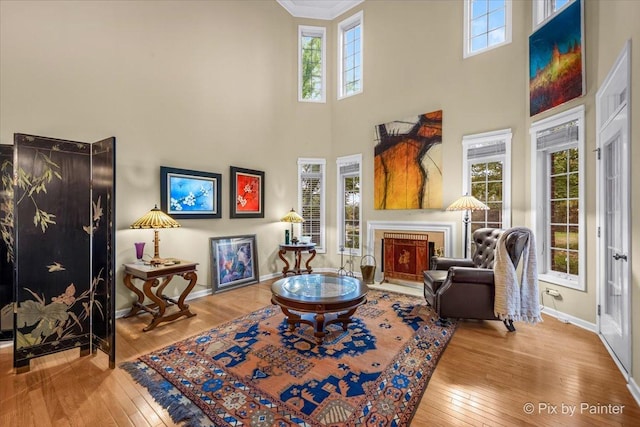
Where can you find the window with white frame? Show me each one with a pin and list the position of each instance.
(487, 25)
(350, 56)
(486, 167)
(311, 64)
(311, 200)
(558, 197)
(349, 203)
(544, 9)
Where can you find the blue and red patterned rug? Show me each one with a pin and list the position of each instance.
(253, 371)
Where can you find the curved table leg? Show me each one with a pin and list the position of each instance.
(285, 269)
(308, 263)
(192, 277)
(345, 318)
(298, 257)
(292, 318)
(158, 302)
(138, 305)
(159, 298)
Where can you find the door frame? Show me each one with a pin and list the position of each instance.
(623, 60)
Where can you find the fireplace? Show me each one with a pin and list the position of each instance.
(440, 234)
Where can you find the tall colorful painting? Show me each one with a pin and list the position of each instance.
(556, 60)
(408, 163)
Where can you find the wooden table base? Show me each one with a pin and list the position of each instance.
(319, 321)
(158, 307)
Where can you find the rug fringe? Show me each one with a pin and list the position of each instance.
(179, 412)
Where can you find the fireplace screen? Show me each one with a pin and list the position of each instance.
(406, 256)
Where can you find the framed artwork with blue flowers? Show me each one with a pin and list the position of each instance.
(188, 194)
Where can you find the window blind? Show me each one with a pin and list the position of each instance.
(487, 149)
(562, 134)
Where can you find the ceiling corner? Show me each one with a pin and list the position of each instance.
(318, 9)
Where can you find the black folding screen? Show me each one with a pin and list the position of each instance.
(64, 207)
(6, 244)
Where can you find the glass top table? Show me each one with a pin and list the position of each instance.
(319, 295)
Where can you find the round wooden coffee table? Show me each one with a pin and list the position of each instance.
(319, 300)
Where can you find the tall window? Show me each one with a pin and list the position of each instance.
(544, 9)
(311, 200)
(558, 189)
(487, 25)
(350, 56)
(487, 176)
(311, 64)
(349, 203)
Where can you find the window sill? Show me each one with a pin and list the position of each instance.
(556, 280)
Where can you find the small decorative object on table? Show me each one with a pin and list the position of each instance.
(139, 250)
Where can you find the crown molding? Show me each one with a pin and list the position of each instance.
(318, 9)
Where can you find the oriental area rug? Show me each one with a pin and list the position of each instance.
(253, 371)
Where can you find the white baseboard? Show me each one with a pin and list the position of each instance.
(192, 295)
(567, 318)
(592, 327)
(634, 389)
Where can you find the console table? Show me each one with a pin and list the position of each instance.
(297, 250)
(159, 277)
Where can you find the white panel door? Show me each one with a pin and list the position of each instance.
(612, 110)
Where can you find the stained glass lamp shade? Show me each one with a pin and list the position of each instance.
(156, 219)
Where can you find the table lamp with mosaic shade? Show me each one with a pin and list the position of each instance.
(467, 203)
(156, 219)
(293, 218)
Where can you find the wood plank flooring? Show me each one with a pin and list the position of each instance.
(485, 377)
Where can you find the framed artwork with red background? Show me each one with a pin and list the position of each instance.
(247, 193)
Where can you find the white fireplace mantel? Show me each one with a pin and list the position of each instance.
(447, 228)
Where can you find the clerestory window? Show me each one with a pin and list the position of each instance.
(311, 64)
(350, 32)
(487, 25)
(545, 9)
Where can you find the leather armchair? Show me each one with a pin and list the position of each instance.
(467, 290)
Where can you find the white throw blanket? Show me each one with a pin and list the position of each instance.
(516, 301)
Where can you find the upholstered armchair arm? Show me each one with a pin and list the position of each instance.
(471, 275)
(467, 293)
(444, 263)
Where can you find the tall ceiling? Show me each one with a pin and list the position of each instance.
(318, 9)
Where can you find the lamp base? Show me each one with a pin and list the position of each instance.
(157, 261)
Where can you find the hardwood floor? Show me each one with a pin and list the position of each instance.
(485, 377)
